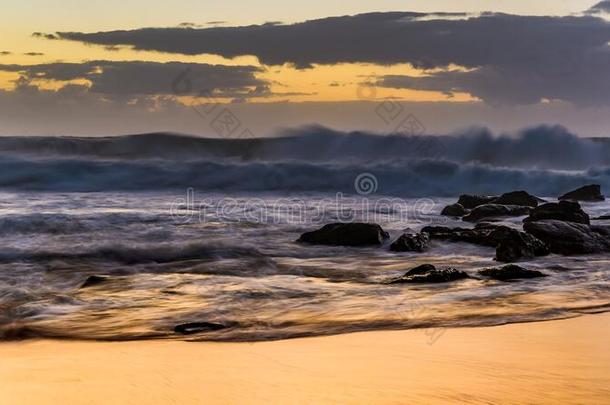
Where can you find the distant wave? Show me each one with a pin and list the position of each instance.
(550, 147)
(547, 160)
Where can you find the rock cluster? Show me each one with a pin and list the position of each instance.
(510, 272)
(561, 227)
(427, 273)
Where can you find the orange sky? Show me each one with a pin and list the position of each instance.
(322, 83)
(335, 95)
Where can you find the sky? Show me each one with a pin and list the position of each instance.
(118, 67)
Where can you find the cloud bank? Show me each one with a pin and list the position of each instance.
(146, 78)
(508, 58)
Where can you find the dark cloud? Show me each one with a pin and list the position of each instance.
(34, 54)
(384, 38)
(514, 59)
(148, 78)
(584, 84)
(45, 36)
(5, 53)
(51, 71)
(601, 7)
(359, 38)
(188, 25)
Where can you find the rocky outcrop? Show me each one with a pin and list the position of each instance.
(197, 327)
(511, 244)
(515, 245)
(562, 211)
(487, 211)
(92, 281)
(346, 234)
(469, 201)
(592, 192)
(411, 242)
(427, 273)
(421, 269)
(457, 234)
(482, 234)
(570, 238)
(454, 210)
(521, 198)
(510, 272)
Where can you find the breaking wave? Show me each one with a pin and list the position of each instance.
(545, 160)
(408, 178)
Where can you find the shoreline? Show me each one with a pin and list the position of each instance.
(558, 361)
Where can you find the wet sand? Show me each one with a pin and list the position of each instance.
(564, 361)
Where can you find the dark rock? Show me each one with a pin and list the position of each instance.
(421, 269)
(510, 272)
(453, 234)
(515, 245)
(492, 234)
(511, 244)
(562, 211)
(472, 201)
(592, 192)
(346, 234)
(454, 210)
(482, 234)
(427, 273)
(495, 210)
(93, 281)
(408, 242)
(570, 238)
(517, 198)
(197, 327)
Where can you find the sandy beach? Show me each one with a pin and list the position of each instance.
(565, 361)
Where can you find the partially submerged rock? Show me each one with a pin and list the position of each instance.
(456, 234)
(94, 280)
(562, 211)
(511, 244)
(427, 273)
(454, 210)
(510, 272)
(591, 192)
(521, 198)
(570, 238)
(410, 242)
(516, 245)
(346, 234)
(197, 327)
(482, 234)
(487, 211)
(421, 269)
(470, 201)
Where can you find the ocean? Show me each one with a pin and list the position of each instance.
(178, 229)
